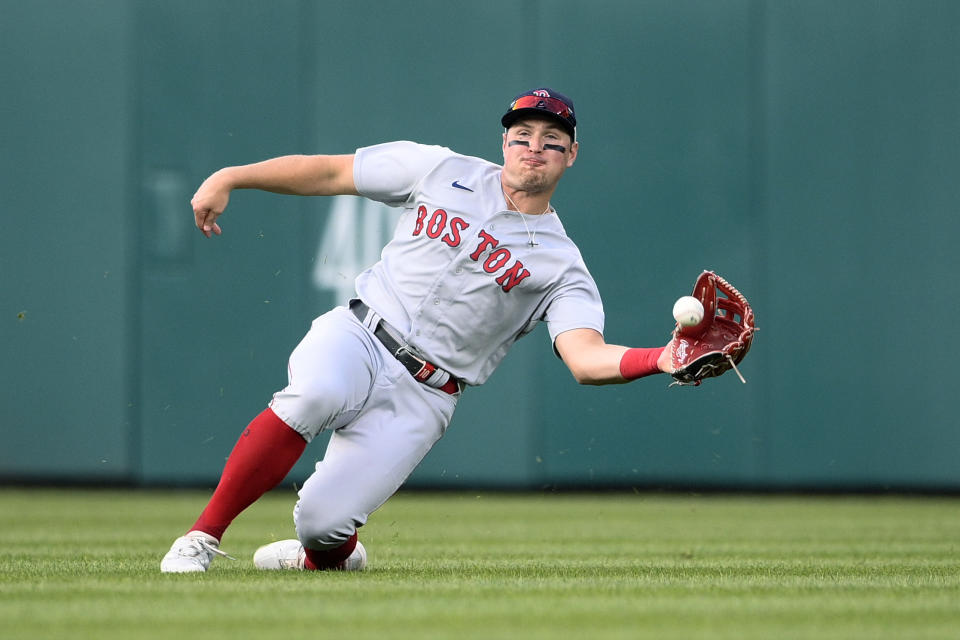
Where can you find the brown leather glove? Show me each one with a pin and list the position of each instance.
(720, 341)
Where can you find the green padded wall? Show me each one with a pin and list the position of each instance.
(807, 151)
(66, 154)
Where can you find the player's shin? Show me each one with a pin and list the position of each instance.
(261, 459)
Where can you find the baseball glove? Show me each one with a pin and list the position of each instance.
(720, 341)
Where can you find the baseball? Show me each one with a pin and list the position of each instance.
(688, 311)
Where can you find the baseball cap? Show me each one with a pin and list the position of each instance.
(542, 102)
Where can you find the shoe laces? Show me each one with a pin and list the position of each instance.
(202, 545)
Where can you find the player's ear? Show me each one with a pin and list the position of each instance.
(574, 147)
(503, 148)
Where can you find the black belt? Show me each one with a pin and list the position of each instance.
(422, 371)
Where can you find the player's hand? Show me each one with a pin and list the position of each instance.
(665, 361)
(209, 202)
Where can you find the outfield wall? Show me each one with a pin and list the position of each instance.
(807, 151)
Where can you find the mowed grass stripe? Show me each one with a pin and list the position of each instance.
(85, 564)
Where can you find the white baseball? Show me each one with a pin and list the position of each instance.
(688, 311)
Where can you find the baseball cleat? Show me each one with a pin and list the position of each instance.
(191, 553)
(357, 561)
(285, 554)
(289, 554)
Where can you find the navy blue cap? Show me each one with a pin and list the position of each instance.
(542, 102)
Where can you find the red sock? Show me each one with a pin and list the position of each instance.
(261, 459)
(318, 559)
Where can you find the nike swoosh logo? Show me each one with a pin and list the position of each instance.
(456, 184)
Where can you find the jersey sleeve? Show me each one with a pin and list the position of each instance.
(390, 172)
(576, 304)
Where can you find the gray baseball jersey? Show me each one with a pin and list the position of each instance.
(464, 277)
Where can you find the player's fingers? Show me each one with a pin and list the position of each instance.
(198, 220)
(210, 227)
(208, 204)
(207, 221)
(199, 213)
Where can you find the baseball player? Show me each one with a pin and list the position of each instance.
(479, 257)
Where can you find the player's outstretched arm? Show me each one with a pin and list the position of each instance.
(293, 175)
(592, 361)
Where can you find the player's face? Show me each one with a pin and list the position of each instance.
(536, 153)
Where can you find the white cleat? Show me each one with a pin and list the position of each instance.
(357, 561)
(286, 554)
(191, 553)
(289, 554)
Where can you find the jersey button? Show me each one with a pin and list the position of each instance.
(436, 301)
(458, 270)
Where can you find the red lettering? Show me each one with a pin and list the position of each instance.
(496, 260)
(437, 222)
(486, 240)
(513, 276)
(456, 226)
(498, 257)
(421, 216)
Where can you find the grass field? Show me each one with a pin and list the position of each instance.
(84, 564)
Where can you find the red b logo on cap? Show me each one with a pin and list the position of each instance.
(541, 93)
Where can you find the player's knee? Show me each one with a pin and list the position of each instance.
(323, 401)
(322, 526)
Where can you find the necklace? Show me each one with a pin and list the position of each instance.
(531, 237)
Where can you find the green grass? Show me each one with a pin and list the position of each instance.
(84, 564)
